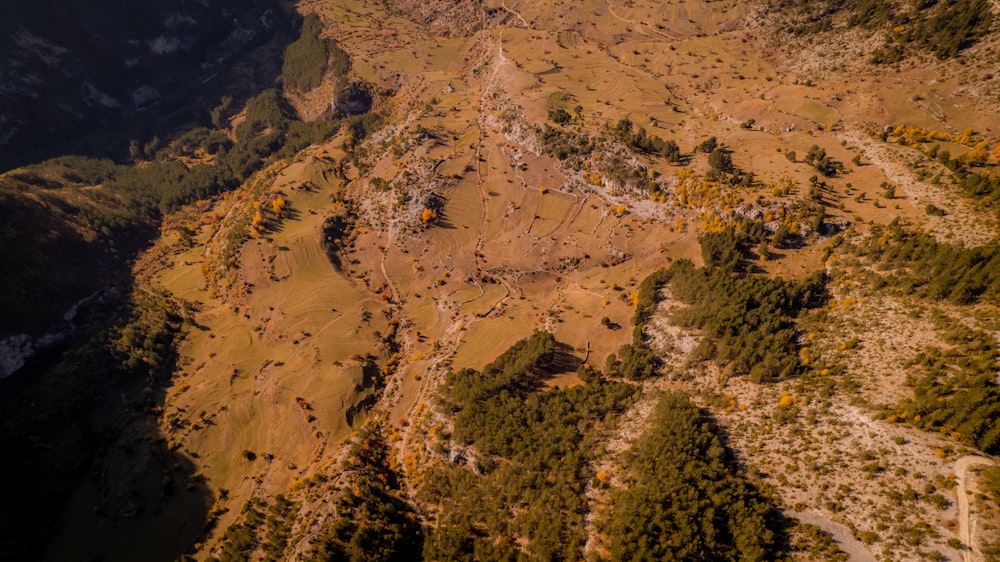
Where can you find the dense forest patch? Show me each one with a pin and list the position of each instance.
(532, 452)
(308, 57)
(943, 28)
(749, 319)
(685, 500)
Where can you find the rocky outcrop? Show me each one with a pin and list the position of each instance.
(355, 99)
(452, 17)
(15, 350)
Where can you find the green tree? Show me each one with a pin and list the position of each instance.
(306, 58)
(685, 499)
(560, 116)
(720, 161)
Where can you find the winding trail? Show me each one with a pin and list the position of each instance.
(393, 291)
(965, 530)
(653, 30)
(524, 22)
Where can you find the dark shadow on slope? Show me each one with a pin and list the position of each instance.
(105, 75)
(48, 265)
(561, 360)
(360, 408)
(90, 475)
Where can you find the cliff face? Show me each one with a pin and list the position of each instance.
(66, 66)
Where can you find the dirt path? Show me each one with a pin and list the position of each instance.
(652, 30)
(854, 548)
(503, 4)
(965, 530)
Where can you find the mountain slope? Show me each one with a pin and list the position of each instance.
(523, 261)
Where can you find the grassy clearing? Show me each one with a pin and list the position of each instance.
(483, 341)
(553, 210)
(291, 340)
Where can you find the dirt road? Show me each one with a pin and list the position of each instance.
(854, 548)
(965, 531)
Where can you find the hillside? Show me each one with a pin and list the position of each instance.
(509, 280)
(92, 76)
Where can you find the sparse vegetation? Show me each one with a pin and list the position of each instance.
(373, 519)
(915, 262)
(956, 392)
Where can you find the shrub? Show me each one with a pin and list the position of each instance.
(560, 116)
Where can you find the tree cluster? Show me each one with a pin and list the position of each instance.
(506, 373)
(707, 145)
(749, 319)
(532, 456)
(565, 144)
(685, 500)
(915, 263)
(639, 141)
(560, 116)
(261, 528)
(624, 173)
(720, 161)
(817, 158)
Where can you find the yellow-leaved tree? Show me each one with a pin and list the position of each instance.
(278, 205)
